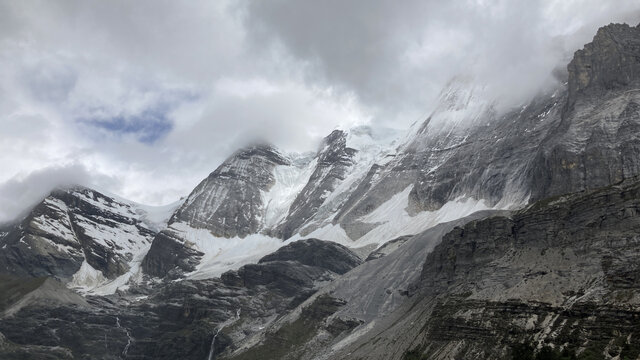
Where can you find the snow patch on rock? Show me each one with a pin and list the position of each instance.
(157, 217)
(289, 181)
(394, 220)
(86, 278)
(223, 254)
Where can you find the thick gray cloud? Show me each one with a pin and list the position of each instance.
(145, 98)
(397, 55)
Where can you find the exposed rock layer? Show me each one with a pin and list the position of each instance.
(563, 272)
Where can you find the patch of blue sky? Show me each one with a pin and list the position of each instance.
(147, 126)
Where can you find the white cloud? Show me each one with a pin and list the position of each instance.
(24, 191)
(397, 56)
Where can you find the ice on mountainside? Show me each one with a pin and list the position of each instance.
(157, 217)
(289, 180)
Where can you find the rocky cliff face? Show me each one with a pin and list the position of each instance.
(170, 255)
(609, 62)
(595, 143)
(561, 273)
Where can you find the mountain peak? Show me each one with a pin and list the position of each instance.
(336, 136)
(610, 61)
(228, 202)
(265, 150)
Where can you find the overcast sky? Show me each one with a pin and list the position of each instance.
(145, 98)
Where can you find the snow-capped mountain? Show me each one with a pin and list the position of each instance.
(260, 197)
(368, 186)
(381, 244)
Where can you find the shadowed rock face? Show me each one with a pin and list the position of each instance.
(69, 227)
(312, 258)
(11, 351)
(18, 293)
(314, 252)
(168, 257)
(387, 248)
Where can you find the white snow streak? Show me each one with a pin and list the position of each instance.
(223, 254)
(395, 221)
(290, 180)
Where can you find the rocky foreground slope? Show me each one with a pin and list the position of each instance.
(562, 273)
(190, 319)
(376, 246)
